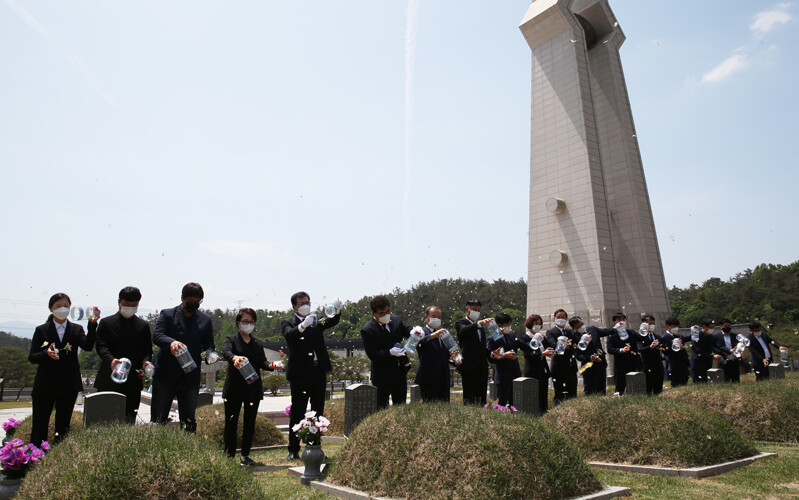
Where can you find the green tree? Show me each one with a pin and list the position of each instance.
(15, 369)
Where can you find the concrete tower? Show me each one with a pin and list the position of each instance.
(593, 248)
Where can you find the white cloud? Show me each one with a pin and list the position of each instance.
(766, 20)
(727, 68)
(259, 252)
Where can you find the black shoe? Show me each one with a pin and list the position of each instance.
(292, 456)
(247, 461)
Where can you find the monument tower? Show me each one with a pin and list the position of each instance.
(593, 248)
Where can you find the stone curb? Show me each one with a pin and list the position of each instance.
(693, 472)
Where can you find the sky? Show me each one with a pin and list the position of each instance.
(350, 148)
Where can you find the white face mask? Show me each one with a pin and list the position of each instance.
(248, 329)
(651, 328)
(507, 329)
(61, 313)
(304, 310)
(384, 319)
(434, 323)
(560, 322)
(674, 330)
(474, 315)
(581, 329)
(536, 328)
(127, 312)
(757, 333)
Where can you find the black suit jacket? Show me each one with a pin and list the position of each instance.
(505, 369)
(535, 364)
(59, 376)
(650, 356)
(704, 347)
(303, 346)
(120, 337)
(756, 350)
(623, 362)
(433, 359)
(720, 346)
(595, 346)
(236, 387)
(377, 344)
(562, 363)
(196, 333)
(473, 347)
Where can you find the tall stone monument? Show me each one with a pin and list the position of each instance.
(593, 248)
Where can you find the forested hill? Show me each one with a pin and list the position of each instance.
(7, 339)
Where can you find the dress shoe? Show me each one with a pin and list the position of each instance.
(292, 456)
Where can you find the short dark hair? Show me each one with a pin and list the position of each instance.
(646, 318)
(193, 290)
(379, 302)
(503, 318)
(574, 320)
(297, 296)
(708, 322)
(671, 320)
(130, 293)
(473, 302)
(618, 316)
(755, 324)
(725, 320)
(246, 310)
(55, 298)
(532, 320)
(560, 311)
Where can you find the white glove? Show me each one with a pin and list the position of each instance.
(397, 351)
(309, 321)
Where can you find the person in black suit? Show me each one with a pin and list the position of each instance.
(650, 346)
(473, 343)
(535, 363)
(594, 378)
(678, 359)
(124, 335)
(564, 366)
(383, 338)
(309, 362)
(55, 349)
(703, 352)
(622, 345)
(239, 347)
(759, 342)
(434, 359)
(176, 328)
(506, 366)
(725, 343)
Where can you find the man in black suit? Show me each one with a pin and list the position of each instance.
(309, 362)
(434, 359)
(678, 358)
(703, 352)
(184, 326)
(725, 343)
(474, 349)
(124, 335)
(594, 379)
(759, 342)
(383, 338)
(564, 365)
(622, 345)
(649, 347)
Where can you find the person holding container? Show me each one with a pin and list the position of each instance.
(55, 349)
(245, 356)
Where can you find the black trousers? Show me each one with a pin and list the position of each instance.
(186, 389)
(761, 372)
(543, 394)
(620, 371)
(653, 369)
(475, 386)
(594, 380)
(232, 412)
(42, 408)
(396, 387)
(310, 387)
(565, 385)
(732, 370)
(436, 389)
(505, 393)
(700, 367)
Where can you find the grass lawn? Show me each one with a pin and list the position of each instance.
(6, 405)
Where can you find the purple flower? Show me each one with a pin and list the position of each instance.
(287, 410)
(10, 424)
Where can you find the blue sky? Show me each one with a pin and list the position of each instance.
(349, 148)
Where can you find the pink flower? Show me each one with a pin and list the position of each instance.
(287, 410)
(10, 424)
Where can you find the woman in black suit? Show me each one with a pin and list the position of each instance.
(237, 392)
(55, 349)
(506, 366)
(535, 362)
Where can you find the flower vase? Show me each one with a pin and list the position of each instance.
(9, 436)
(312, 457)
(9, 486)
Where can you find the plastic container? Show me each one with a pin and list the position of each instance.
(121, 371)
(185, 360)
(248, 372)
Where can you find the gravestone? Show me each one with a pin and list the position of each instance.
(776, 370)
(492, 391)
(715, 375)
(636, 384)
(416, 393)
(103, 407)
(327, 394)
(525, 395)
(205, 398)
(360, 401)
(610, 380)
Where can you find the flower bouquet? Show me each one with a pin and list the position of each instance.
(310, 429)
(17, 458)
(10, 426)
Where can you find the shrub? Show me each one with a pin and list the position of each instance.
(644, 430)
(211, 424)
(145, 461)
(455, 451)
(766, 411)
(273, 383)
(23, 432)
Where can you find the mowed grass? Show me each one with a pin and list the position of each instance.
(8, 405)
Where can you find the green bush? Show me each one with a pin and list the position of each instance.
(644, 430)
(145, 461)
(274, 383)
(765, 411)
(23, 432)
(455, 451)
(211, 424)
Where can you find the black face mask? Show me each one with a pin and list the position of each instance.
(191, 306)
(726, 330)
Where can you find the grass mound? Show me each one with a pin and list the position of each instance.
(765, 411)
(211, 424)
(454, 451)
(23, 432)
(145, 461)
(644, 430)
